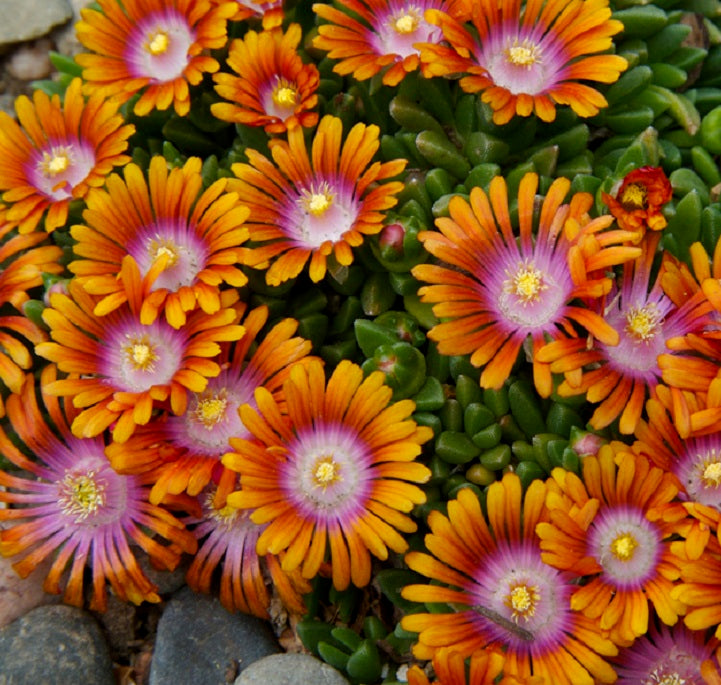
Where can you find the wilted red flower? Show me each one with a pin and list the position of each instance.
(637, 204)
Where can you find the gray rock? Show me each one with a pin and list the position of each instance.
(27, 19)
(198, 641)
(290, 669)
(54, 645)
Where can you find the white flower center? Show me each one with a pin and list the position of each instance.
(326, 471)
(407, 22)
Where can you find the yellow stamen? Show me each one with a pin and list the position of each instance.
(407, 23)
(527, 283)
(211, 410)
(643, 323)
(624, 546)
(326, 471)
(156, 248)
(712, 474)
(634, 196)
(284, 95)
(81, 495)
(141, 354)
(158, 43)
(522, 600)
(667, 679)
(524, 55)
(55, 162)
(319, 203)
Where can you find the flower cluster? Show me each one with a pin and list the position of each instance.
(398, 321)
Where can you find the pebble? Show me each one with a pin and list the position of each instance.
(24, 20)
(290, 669)
(20, 595)
(31, 62)
(198, 641)
(54, 645)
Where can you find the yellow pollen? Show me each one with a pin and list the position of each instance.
(318, 203)
(284, 96)
(624, 546)
(522, 600)
(634, 197)
(157, 248)
(524, 55)
(326, 472)
(642, 323)
(81, 495)
(712, 474)
(211, 410)
(406, 23)
(526, 284)
(55, 162)
(158, 43)
(141, 354)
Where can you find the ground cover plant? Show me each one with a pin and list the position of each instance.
(398, 320)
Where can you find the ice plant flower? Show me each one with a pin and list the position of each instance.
(166, 238)
(227, 538)
(381, 35)
(125, 367)
(56, 152)
(73, 506)
(528, 57)
(670, 656)
(24, 260)
(310, 208)
(337, 472)
(620, 377)
(154, 46)
(450, 669)
(696, 463)
(492, 292)
(506, 597)
(273, 88)
(194, 442)
(639, 200)
(609, 529)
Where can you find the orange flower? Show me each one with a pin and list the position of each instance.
(25, 262)
(273, 89)
(229, 536)
(121, 368)
(166, 239)
(492, 292)
(385, 38)
(60, 152)
(609, 529)
(639, 200)
(307, 210)
(527, 57)
(185, 450)
(336, 474)
(75, 509)
(155, 46)
(495, 592)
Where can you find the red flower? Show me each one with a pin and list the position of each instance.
(638, 202)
